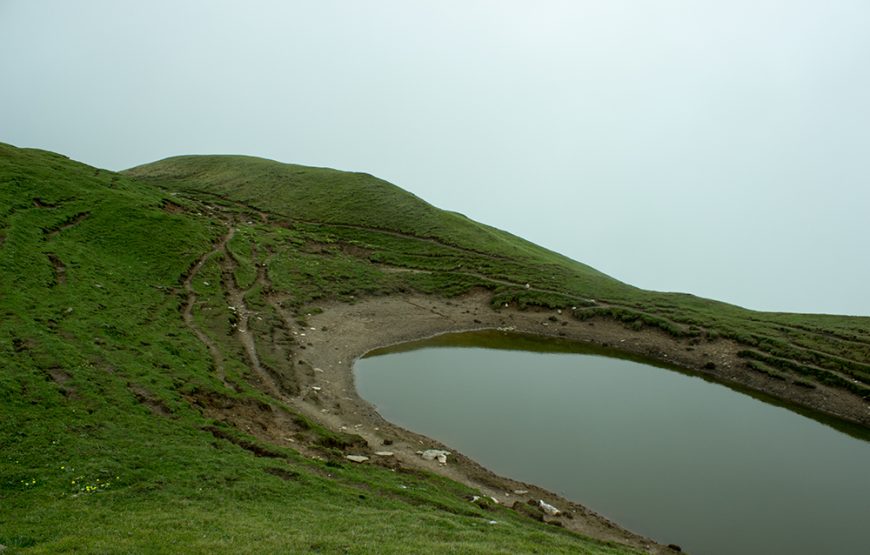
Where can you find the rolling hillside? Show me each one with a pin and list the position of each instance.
(132, 418)
(392, 227)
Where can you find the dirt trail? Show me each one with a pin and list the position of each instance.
(236, 297)
(482, 277)
(187, 312)
(70, 222)
(265, 216)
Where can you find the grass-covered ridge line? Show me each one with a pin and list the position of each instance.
(361, 219)
(126, 389)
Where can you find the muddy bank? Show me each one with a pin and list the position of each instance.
(333, 339)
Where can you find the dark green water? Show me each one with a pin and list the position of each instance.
(663, 453)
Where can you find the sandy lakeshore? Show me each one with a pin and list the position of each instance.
(333, 339)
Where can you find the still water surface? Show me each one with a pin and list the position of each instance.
(663, 453)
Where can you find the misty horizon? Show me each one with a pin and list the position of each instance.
(717, 150)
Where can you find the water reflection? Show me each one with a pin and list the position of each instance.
(664, 453)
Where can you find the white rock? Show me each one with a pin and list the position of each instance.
(549, 509)
(357, 458)
(435, 454)
(384, 453)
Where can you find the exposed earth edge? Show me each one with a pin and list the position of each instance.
(334, 338)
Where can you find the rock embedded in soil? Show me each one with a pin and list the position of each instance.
(433, 454)
(547, 508)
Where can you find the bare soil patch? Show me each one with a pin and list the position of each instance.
(59, 269)
(172, 208)
(154, 404)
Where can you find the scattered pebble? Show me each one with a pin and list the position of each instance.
(357, 458)
(384, 453)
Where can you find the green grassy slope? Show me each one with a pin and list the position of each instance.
(122, 430)
(118, 432)
(359, 206)
(450, 254)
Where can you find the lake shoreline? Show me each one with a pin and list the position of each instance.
(341, 333)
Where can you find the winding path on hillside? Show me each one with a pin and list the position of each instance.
(187, 312)
(236, 297)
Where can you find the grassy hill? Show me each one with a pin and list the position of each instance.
(451, 254)
(112, 397)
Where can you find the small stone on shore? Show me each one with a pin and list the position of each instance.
(549, 509)
(433, 454)
(357, 458)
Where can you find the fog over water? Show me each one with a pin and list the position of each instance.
(718, 148)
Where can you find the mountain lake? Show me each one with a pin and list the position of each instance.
(662, 452)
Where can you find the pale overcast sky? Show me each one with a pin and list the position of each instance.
(720, 148)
